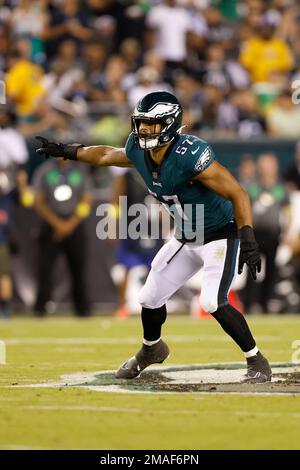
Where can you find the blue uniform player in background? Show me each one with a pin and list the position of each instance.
(213, 220)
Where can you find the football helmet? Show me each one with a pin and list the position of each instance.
(159, 107)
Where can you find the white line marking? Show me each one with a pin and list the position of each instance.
(21, 447)
(127, 340)
(117, 389)
(70, 349)
(267, 414)
(81, 408)
(72, 380)
(102, 409)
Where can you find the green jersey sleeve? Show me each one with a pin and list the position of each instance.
(199, 157)
(130, 148)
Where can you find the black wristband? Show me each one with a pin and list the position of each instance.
(70, 151)
(246, 234)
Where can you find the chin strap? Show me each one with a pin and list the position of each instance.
(179, 131)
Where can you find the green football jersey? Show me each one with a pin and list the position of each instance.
(195, 208)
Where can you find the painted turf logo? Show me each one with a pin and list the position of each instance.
(211, 378)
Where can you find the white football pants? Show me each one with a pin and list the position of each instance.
(175, 263)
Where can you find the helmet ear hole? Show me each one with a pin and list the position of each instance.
(169, 120)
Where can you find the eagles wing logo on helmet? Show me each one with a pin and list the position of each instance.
(161, 109)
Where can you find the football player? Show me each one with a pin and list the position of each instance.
(181, 169)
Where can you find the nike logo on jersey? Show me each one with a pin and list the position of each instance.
(195, 151)
(157, 184)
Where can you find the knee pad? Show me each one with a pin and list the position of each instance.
(208, 303)
(148, 300)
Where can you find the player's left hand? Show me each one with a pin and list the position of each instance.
(49, 148)
(249, 251)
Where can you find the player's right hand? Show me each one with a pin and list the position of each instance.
(49, 148)
(66, 151)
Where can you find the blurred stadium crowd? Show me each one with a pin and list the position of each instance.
(231, 63)
(73, 70)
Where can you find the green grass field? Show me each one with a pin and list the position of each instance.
(76, 418)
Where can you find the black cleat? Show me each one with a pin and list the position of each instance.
(258, 370)
(146, 356)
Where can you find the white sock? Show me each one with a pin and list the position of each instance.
(150, 343)
(252, 352)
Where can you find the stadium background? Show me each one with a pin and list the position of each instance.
(74, 70)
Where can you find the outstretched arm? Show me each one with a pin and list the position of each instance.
(103, 155)
(220, 180)
(100, 155)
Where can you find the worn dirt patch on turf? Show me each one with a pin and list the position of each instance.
(181, 381)
(211, 378)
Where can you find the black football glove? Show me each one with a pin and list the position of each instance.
(249, 251)
(66, 151)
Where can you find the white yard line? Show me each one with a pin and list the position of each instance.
(80, 408)
(74, 349)
(64, 341)
(112, 409)
(126, 340)
(118, 389)
(253, 414)
(178, 374)
(21, 447)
